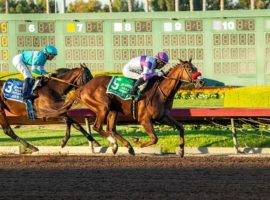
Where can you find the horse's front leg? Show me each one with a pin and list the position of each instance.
(169, 120)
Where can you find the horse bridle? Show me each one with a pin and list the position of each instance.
(189, 76)
(176, 79)
(62, 81)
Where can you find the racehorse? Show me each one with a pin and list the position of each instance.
(50, 99)
(155, 107)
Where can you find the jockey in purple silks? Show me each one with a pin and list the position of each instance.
(143, 68)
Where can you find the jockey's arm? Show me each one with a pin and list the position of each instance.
(149, 73)
(39, 70)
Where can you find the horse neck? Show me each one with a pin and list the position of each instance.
(171, 84)
(60, 87)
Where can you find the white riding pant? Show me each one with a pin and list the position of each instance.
(129, 73)
(21, 67)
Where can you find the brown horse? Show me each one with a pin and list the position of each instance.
(155, 107)
(50, 99)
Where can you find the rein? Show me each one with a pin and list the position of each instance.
(63, 81)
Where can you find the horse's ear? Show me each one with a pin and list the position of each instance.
(181, 61)
(83, 65)
(190, 59)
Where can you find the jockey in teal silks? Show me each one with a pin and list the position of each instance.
(35, 59)
(143, 68)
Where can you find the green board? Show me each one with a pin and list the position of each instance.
(232, 47)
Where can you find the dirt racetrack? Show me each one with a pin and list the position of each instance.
(139, 177)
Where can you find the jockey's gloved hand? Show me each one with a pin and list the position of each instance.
(160, 73)
(47, 76)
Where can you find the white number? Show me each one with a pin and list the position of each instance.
(79, 26)
(31, 28)
(127, 27)
(9, 87)
(117, 27)
(228, 25)
(167, 26)
(178, 26)
(116, 85)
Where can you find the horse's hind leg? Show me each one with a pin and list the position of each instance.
(169, 120)
(148, 126)
(69, 121)
(97, 126)
(111, 128)
(67, 135)
(8, 131)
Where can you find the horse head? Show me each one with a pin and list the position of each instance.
(86, 75)
(185, 71)
(76, 76)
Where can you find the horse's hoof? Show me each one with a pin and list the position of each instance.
(135, 139)
(131, 151)
(63, 144)
(95, 144)
(114, 148)
(181, 153)
(34, 149)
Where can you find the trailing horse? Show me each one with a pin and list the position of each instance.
(154, 107)
(50, 99)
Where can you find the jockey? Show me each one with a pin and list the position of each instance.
(143, 68)
(35, 59)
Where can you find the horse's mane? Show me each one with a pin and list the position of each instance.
(173, 67)
(60, 71)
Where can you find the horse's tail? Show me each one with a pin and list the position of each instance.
(70, 101)
(63, 110)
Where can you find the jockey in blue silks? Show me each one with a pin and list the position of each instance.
(143, 68)
(35, 59)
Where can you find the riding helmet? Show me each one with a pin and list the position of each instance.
(51, 50)
(162, 56)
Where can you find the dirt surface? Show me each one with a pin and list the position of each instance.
(139, 177)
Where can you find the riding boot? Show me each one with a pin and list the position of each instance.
(134, 90)
(27, 88)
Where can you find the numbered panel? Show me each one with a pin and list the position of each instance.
(184, 39)
(4, 46)
(84, 42)
(131, 39)
(234, 46)
(36, 35)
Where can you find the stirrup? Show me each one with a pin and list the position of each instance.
(30, 97)
(135, 97)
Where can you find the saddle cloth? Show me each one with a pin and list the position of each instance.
(12, 90)
(121, 87)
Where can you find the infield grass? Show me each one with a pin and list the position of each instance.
(51, 135)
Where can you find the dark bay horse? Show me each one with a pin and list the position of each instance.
(50, 99)
(155, 107)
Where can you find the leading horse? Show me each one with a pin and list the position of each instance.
(155, 107)
(50, 99)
